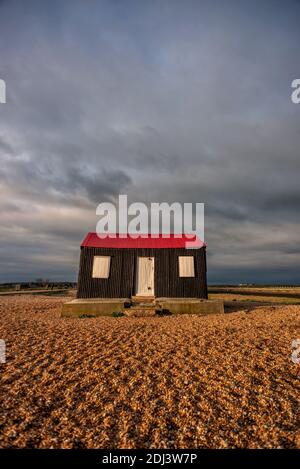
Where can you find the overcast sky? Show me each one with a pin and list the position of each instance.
(184, 101)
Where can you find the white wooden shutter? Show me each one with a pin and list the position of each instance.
(101, 267)
(186, 266)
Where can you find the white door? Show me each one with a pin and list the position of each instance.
(145, 276)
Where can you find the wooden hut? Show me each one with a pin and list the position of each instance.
(142, 266)
(141, 274)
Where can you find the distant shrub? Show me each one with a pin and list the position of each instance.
(87, 316)
(163, 312)
(117, 314)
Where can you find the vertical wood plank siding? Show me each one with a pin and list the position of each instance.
(121, 281)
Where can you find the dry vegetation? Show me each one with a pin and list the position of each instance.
(164, 382)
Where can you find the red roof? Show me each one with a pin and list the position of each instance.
(92, 240)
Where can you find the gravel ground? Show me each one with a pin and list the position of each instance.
(164, 382)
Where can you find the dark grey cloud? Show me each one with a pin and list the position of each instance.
(165, 101)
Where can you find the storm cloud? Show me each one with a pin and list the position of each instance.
(164, 101)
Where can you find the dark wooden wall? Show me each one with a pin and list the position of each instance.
(121, 281)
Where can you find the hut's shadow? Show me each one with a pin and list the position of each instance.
(248, 306)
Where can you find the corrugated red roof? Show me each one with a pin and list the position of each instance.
(141, 241)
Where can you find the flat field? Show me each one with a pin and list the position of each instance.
(220, 381)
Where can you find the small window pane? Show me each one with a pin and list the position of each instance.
(186, 266)
(101, 267)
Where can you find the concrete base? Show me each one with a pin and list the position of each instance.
(93, 307)
(108, 306)
(191, 305)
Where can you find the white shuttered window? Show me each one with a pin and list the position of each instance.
(186, 266)
(101, 267)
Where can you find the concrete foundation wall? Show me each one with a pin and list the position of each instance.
(191, 306)
(106, 307)
(93, 307)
